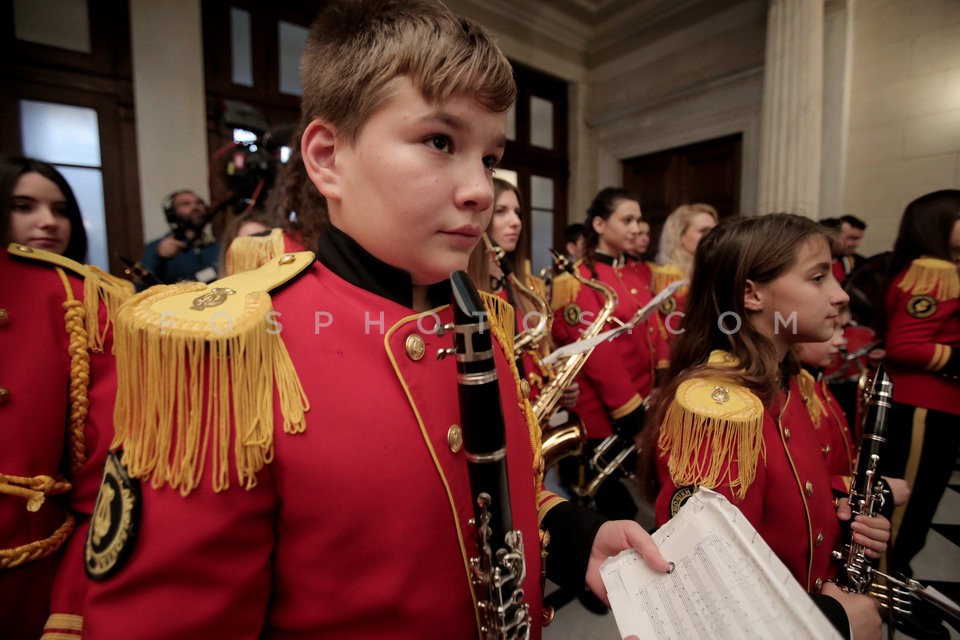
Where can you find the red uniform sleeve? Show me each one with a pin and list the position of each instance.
(916, 326)
(200, 568)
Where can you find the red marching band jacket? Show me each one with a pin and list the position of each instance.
(923, 330)
(619, 373)
(769, 463)
(57, 389)
(336, 505)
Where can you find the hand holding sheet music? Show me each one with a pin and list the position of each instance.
(726, 584)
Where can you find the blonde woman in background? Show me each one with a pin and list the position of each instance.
(681, 234)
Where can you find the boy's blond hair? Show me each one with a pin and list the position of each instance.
(357, 47)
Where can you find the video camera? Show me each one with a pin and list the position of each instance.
(253, 163)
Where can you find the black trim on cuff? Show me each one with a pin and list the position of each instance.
(572, 530)
(832, 608)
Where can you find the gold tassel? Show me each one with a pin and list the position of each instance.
(184, 384)
(99, 286)
(566, 288)
(933, 277)
(729, 426)
(251, 252)
(808, 389)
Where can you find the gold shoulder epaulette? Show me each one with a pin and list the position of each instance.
(98, 286)
(933, 277)
(808, 389)
(250, 252)
(194, 360)
(565, 290)
(721, 418)
(663, 276)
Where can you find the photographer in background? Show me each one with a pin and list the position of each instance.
(187, 252)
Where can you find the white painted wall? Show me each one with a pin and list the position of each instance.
(904, 135)
(168, 90)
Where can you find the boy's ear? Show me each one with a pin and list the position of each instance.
(752, 297)
(318, 148)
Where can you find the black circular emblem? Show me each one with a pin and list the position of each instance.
(116, 518)
(679, 497)
(572, 314)
(921, 306)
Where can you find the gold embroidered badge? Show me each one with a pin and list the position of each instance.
(680, 496)
(668, 306)
(213, 298)
(116, 517)
(572, 314)
(921, 306)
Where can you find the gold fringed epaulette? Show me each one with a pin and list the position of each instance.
(719, 419)
(98, 286)
(250, 252)
(932, 277)
(565, 290)
(808, 389)
(663, 276)
(196, 367)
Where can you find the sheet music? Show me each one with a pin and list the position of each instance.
(642, 314)
(726, 584)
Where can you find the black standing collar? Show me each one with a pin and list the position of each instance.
(345, 257)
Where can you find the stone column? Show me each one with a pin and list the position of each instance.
(791, 123)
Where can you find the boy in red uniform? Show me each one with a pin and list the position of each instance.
(325, 401)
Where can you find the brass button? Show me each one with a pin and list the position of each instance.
(288, 258)
(786, 434)
(525, 388)
(4, 317)
(826, 451)
(633, 291)
(415, 347)
(455, 438)
(22, 248)
(820, 538)
(808, 488)
(4, 395)
(818, 583)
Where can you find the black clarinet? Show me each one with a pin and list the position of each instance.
(867, 486)
(897, 596)
(499, 567)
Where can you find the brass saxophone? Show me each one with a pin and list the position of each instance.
(530, 338)
(896, 596)
(569, 437)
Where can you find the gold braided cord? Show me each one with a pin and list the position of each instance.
(811, 399)
(17, 556)
(75, 320)
(33, 489)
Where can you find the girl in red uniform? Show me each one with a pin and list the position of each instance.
(732, 417)
(487, 272)
(619, 374)
(57, 389)
(923, 360)
(681, 234)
